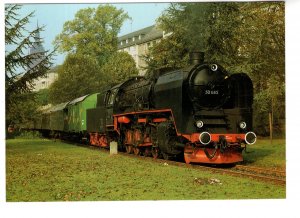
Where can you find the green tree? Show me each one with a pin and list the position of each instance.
(24, 110)
(21, 68)
(208, 27)
(93, 32)
(43, 97)
(92, 63)
(79, 75)
(264, 55)
(119, 67)
(170, 53)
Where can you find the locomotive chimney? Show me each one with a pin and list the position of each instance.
(196, 57)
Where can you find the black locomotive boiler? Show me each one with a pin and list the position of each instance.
(200, 112)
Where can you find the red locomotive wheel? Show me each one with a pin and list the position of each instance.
(155, 153)
(136, 150)
(129, 149)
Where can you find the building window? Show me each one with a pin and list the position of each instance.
(121, 43)
(126, 41)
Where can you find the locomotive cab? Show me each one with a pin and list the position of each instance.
(110, 100)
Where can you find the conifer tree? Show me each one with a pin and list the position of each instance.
(21, 68)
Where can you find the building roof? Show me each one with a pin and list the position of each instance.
(37, 46)
(147, 34)
(136, 33)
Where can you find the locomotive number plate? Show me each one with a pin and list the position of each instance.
(211, 92)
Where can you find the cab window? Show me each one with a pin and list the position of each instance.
(110, 97)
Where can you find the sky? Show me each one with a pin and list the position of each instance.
(53, 16)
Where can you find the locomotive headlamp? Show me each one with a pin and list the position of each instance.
(214, 67)
(250, 138)
(199, 124)
(243, 125)
(205, 138)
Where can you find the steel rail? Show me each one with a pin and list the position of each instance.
(261, 170)
(232, 171)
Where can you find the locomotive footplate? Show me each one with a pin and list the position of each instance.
(200, 155)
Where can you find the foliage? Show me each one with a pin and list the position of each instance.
(93, 32)
(264, 52)
(170, 53)
(92, 63)
(119, 67)
(44, 170)
(196, 27)
(24, 109)
(21, 68)
(24, 134)
(43, 97)
(241, 36)
(79, 75)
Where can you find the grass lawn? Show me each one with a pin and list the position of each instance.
(265, 154)
(44, 170)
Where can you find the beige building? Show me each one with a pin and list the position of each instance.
(137, 44)
(45, 81)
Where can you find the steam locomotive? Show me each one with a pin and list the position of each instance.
(200, 113)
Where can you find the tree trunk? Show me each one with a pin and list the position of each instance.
(271, 127)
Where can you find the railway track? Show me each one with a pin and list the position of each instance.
(261, 170)
(262, 174)
(259, 173)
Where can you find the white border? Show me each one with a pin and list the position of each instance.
(215, 208)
